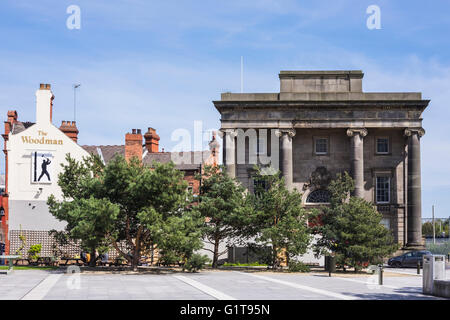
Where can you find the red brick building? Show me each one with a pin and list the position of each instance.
(146, 148)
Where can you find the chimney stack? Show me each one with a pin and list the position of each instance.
(70, 129)
(44, 104)
(133, 144)
(152, 140)
(12, 118)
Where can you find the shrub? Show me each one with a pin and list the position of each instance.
(33, 252)
(169, 258)
(298, 266)
(196, 262)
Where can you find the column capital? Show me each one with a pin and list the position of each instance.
(230, 132)
(291, 132)
(354, 131)
(411, 131)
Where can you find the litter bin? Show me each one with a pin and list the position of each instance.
(433, 269)
(330, 263)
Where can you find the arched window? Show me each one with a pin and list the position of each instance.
(319, 196)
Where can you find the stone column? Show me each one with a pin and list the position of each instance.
(286, 136)
(357, 158)
(229, 151)
(414, 238)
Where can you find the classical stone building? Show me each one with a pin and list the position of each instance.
(322, 123)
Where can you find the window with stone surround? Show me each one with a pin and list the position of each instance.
(382, 145)
(319, 196)
(320, 145)
(383, 189)
(260, 185)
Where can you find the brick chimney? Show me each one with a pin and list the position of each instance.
(70, 129)
(12, 118)
(152, 140)
(133, 144)
(44, 104)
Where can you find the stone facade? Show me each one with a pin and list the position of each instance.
(322, 123)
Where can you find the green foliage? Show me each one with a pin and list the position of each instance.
(223, 206)
(439, 248)
(298, 266)
(351, 228)
(90, 220)
(23, 243)
(178, 236)
(279, 219)
(196, 262)
(34, 251)
(168, 258)
(440, 228)
(126, 201)
(253, 264)
(61, 239)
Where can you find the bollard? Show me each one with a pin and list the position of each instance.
(380, 274)
(418, 267)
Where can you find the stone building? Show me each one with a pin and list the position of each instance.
(322, 123)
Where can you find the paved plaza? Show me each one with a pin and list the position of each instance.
(398, 284)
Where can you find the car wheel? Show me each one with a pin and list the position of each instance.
(396, 264)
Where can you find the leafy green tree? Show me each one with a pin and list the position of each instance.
(279, 220)
(178, 237)
(89, 220)
(223, 206)
(351, 228)
(140, 201)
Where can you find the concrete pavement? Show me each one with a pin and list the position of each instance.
(207, 285)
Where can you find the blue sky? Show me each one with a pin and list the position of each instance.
(161, 63)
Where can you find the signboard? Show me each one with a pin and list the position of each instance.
(41, 167)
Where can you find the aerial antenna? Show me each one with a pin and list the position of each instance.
(75, 87)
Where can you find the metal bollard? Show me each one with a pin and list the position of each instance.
(418, 267)
(380, 274)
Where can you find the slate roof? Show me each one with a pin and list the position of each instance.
(19, 126)
(192, 161)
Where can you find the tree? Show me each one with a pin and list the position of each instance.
(279, 220)
(139, 200)
(89, 220)
(351, 228)
(223, 206)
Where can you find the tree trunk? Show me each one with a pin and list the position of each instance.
(93, 258)
(135, 260)
(216, 253)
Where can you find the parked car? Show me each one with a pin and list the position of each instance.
(409, 259)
